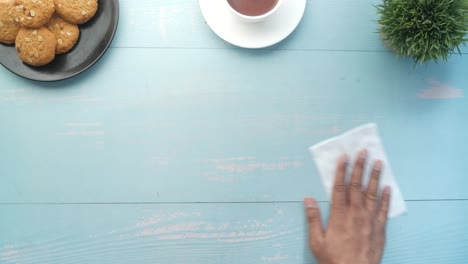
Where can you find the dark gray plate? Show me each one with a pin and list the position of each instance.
(96, 37)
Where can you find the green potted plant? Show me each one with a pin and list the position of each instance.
(425, 30)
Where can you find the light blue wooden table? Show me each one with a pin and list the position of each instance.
(179, 148)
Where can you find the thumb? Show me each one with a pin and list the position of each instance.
(314, 223)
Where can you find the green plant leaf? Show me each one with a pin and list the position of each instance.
(424, 29)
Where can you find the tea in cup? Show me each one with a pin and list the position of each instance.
(253, 10)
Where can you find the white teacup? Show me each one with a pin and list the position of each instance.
(258, 18)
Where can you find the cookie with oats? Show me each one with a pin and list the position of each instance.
(32, 13)
(36, 47)
(66, 34)
(76, 11)
(8, 27)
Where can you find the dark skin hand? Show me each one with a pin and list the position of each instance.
(355, 233)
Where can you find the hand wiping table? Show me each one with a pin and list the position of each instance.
(366, 137)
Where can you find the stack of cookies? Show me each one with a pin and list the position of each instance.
(40, 29)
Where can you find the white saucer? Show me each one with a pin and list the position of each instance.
(253, 35)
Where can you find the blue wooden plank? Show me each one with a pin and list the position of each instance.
(327, 25)
(433, 232)
(226, 125)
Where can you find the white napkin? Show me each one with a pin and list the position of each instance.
(327, 153)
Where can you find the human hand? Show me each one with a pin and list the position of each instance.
(356, 228)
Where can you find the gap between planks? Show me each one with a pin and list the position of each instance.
(244, 202)
(266, 49)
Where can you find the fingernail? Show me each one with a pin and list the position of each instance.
(387, 190)
(363, 154)
(310, 202)
(345, 159)
(378, 166)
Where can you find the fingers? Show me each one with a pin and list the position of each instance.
(314, 223)
(356, 197)
(339, 196)
(382, 213)
(373, 186)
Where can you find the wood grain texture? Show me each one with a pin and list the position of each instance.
(327, 25)
(150, 125)
(174, 114)
(433, 232)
